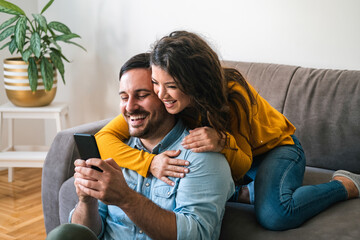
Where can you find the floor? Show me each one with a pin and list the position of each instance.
(21, 215)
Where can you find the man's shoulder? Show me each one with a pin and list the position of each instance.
(204, 156)
(189, 155)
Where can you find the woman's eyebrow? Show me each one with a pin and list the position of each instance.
(168, 82)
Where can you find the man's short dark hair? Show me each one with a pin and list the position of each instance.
(141, 60)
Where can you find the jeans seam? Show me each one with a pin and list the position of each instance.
(307, 203)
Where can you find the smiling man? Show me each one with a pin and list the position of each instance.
(143, 118)
(119, 203)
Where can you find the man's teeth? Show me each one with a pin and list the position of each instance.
(134, 118)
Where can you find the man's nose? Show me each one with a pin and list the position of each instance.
(131, 104)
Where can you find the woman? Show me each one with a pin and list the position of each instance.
(229, 116)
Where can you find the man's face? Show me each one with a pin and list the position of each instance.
(142, 109)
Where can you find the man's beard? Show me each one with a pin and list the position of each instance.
(134, 131)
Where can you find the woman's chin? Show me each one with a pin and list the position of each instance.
(172, 110)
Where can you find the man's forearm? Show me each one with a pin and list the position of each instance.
(156, 222)
(87, 214)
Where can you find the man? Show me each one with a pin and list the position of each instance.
(131, 206)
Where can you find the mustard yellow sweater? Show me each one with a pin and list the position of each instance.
(268, 128)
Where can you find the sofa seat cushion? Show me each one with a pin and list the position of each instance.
(67, 199)
(340, 221)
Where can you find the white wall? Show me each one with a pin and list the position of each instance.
(320, 34)
(25, 130)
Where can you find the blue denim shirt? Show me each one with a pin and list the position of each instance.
(198, 200)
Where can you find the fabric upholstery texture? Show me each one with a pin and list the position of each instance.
(324, 106)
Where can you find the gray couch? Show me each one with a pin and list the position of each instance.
(323, 104)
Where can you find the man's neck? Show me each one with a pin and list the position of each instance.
(150, 142)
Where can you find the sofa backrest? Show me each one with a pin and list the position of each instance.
(323, 104)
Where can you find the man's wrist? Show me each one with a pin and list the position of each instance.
(130, 201)
(87, 200)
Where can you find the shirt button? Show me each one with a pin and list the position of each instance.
(147, 184)
(168, 193)
(140, 231)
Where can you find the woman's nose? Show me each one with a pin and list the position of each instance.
(161, 92)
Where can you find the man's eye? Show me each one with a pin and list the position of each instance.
(143, 96)
(124, 98)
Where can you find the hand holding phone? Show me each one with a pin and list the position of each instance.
(87, 147)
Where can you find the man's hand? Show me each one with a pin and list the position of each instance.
(111, 188)
(108, 186)
(165, 165)
(204, 139)
(83, 197)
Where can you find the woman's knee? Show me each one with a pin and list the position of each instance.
(276, 219)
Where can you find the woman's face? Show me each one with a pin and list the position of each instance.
(165, 87)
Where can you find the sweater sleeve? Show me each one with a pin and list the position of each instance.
(110, 140)
(238, 160)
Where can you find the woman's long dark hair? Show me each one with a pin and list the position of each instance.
(198, 73)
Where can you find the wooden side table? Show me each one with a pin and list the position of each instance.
(30, 155)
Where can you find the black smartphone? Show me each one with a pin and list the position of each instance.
(87, 147)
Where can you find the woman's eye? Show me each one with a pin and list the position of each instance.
(172, 86)
(153, 82)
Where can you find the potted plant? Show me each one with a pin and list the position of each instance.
(37, 41)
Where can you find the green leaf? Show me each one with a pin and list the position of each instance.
(33, 74)
(60, 27)
(35, 44)
(66, 37)
(55, 43)
(12, 46)
(41, 20)
(58, 63)
(10, 8)
(59, 53)
(77, 45)
(7, 32)
(8, 22)
(47, 6)
(47, 73)
(20, 31)
(26, 54)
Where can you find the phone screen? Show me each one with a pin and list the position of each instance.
(87, 147)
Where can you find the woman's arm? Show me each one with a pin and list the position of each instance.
(206, 139)
(238, 160)
(110, 140)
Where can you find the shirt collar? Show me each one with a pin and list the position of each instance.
(168, 140)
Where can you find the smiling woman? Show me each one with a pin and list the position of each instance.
(168, 92)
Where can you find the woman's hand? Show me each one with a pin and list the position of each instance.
(204, 139)
(165, 165)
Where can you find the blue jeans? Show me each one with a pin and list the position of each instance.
(281, 202)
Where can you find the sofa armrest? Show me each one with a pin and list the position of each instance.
(58, 167)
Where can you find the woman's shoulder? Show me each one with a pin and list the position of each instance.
(236, 86)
